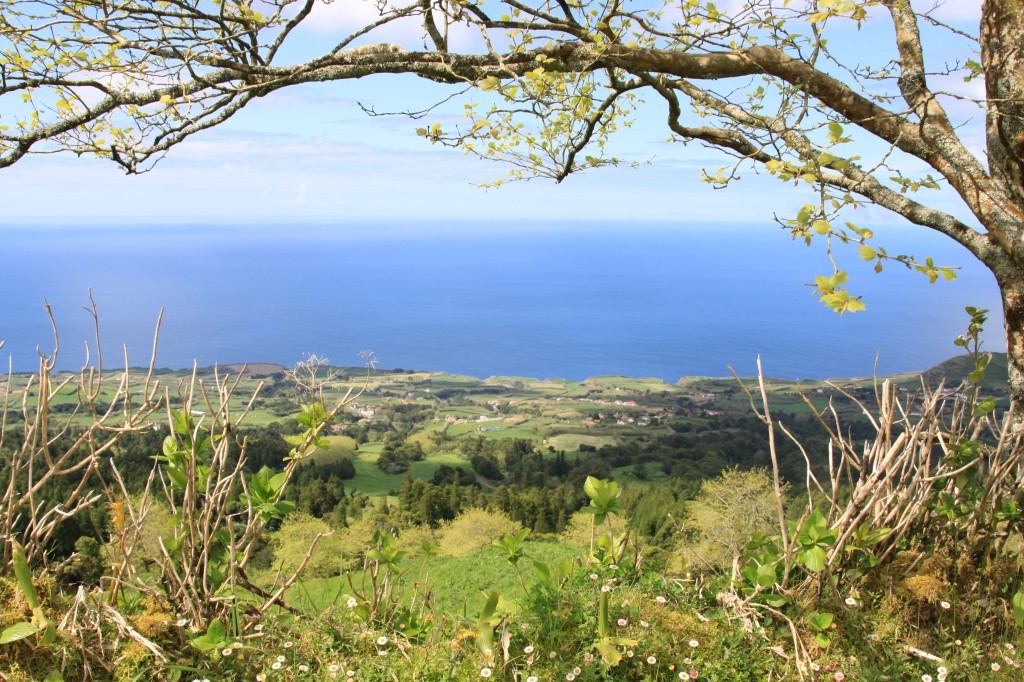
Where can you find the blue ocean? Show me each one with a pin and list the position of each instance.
(484, 298)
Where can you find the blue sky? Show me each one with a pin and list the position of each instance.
(310, 153)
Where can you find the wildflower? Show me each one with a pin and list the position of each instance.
(1010, 646)
(280, 659)
(258, 627)
(660, 599)
(606, 588)
(485, 672)
(529, 660)
(839, 676)
(945, 604)
(629, 653)
(942, 670)
(531, 678)
(850, 601)
(381, 652)
(287, 645)
(593, 576)
(651, 660)
(236, 645)
(570, 676)
(644, 624)
(276, 665)
(687, 661)
(182, 622)
(226, 651)
(926, 678)
(576, 670)
(261, 677)
(334, 667)
(303, 668)
(350, 674)
(553, 655)
(694, 644)
(382, 640)
(621, 622)
(996, 667)
(351, 602)
(528, 650)
(613, 567)
(815, 667)
(958, 642)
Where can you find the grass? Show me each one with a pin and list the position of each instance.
(458, 585)
(571, 442)
(370, 480)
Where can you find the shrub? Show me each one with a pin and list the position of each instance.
(474, 529)
(728, 511)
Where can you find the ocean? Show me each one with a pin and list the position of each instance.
(486, 298)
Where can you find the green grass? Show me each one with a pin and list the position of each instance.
(571, 442)
(370, 480)
(458, 584)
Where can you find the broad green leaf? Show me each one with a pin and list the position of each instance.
(17, 631)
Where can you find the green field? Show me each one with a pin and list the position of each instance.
(571, 442)
(458, 584)
(370, 480)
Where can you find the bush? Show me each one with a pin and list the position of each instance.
(474, 529)
(292, 542)
(728, 511)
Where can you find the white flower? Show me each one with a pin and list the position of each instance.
(850, 601)
(660, 599)
(926, 678)
(694, 643)
(996, 667)
(485, 672)
(287, 645)
(606, 588)
(382, 640)
(276, 665)
(593, 576)
(226, 651)
(280, 659)
(942, 670)
(622, 622)
(576, 670)
(528, 649)
(303, 667)
(182, 622)
(651, 660)
(236, 645)
(945, 604)
(570, 677)
(351, 602)
(531, 678)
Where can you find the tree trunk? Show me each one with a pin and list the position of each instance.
(1012, 292)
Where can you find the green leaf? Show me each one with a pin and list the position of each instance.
(813, 559)
(17, 631)
(867, 253)
(985, 407)
(1017, 605)
(819, 621)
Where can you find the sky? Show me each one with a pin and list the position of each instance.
(310, 153)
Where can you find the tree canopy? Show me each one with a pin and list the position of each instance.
(865, 101)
